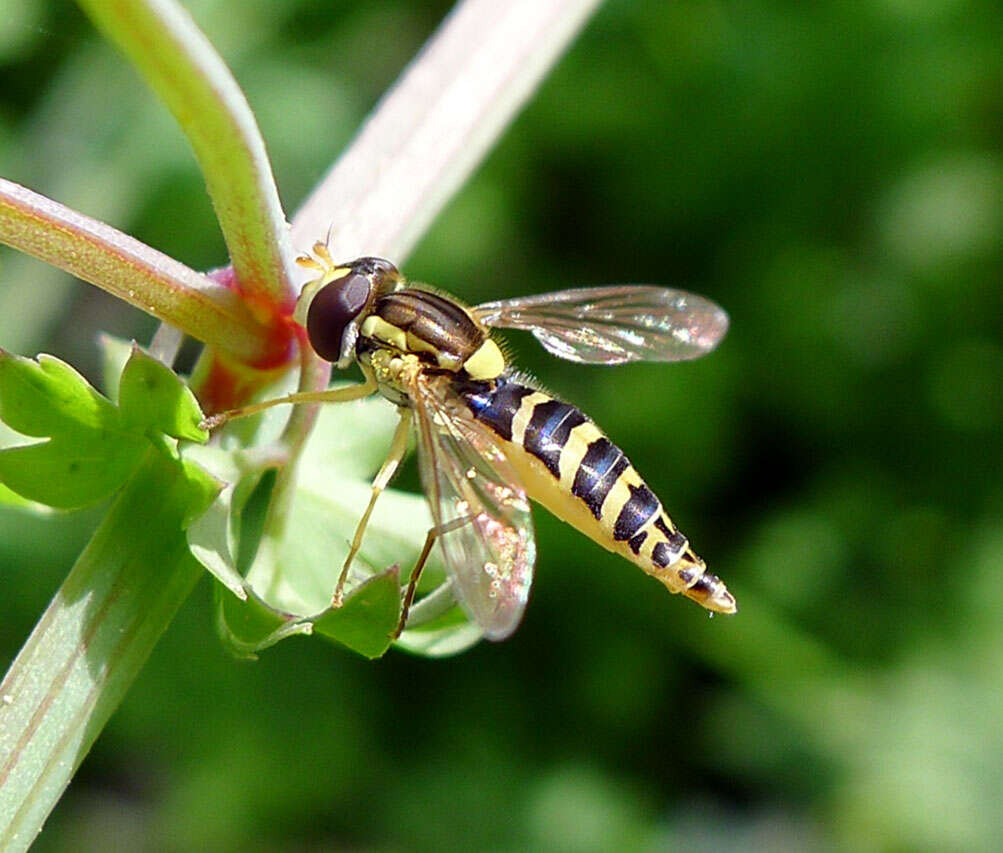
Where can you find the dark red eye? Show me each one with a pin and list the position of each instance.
(332, 310)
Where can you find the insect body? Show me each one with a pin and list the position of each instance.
(487, 438)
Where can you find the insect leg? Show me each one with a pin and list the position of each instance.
(331, 395)
(419, 565)
(398, 447)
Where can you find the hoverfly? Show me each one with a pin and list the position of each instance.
(487, 438)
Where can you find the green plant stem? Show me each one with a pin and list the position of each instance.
(315, 374)
(130, 270)
(182, 67)
(90, 644)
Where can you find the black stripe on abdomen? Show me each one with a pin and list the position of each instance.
(638, 510)
(599, 470)
(668, 551)
(494, 403)
(548, 431)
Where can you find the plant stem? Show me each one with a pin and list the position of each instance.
(183, 68)
(91, 643)
(130, 270)
(436, 124)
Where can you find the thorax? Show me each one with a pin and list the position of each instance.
(412, 331)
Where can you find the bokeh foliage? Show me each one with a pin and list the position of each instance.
(829, 172)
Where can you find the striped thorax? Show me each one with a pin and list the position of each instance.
(413, 329)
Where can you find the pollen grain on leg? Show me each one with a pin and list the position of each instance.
(213, 421)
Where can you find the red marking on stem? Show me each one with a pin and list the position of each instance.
(218, 392)
(282, 334)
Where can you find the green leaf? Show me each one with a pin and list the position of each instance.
(247, 625)
(69, 475)
(297, 567)
(216, 536)
(250, 509)
(364, 623)
(8, 498)
(151, 396)
(88, 455)
(115, 353)
(213, 544)
(368, 617)
(13, 499)
(47, 396)
(92, 446)
(350, 440)
(204, 488)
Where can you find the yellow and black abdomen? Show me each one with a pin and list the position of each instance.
(571, 468)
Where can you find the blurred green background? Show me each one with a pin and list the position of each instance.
(831, 174)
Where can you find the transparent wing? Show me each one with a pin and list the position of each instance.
(614, 325)
(479, 507)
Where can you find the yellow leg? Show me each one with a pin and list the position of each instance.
(331, 395)
(419, 565)
(398, 447)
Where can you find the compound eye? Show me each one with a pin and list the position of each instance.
(332, 311)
